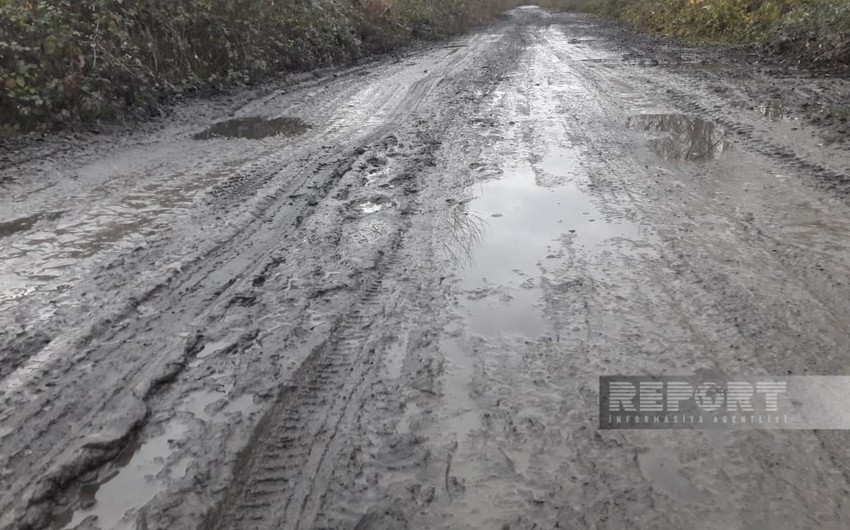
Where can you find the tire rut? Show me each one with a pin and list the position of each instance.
(211, 283)
(746, 137)
(285, 468)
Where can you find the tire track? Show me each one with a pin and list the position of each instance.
(288, 253)
(745, 135)
(285, 469)
(210, 283)
(692, 99)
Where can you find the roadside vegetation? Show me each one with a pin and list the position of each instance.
(64, 61)
(810, 31)
(70, 61)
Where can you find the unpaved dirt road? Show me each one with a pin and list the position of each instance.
(394, 313)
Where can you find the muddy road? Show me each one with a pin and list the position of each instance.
(381, 297)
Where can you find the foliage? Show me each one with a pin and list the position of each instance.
(813, 30)
(78, 60)
(817, 31)
(67, 61)
(721, 21)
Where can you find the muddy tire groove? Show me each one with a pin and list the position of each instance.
(745, 134)
(283, 469)
(195, 281)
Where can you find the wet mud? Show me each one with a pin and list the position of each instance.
(19, 225)
(394, 313)
(254, 128)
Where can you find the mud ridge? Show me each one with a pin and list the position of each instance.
(290, 446)
(827, 178)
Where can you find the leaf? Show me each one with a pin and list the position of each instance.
(50, 45)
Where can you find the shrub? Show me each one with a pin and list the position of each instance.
(718, 21)
(79, 60)
(812, 30)
(817, 31)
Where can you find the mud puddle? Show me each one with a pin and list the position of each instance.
(136, 479)
(25, 223)
(144, 469)
(682, 137)
(535, 219)
(254, 128)
(519, 226)
(221, 347)
(372, 205)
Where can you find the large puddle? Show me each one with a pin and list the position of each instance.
(682, 137)
(534, 225)
(140, 472)
(516, 228)
(254, 128)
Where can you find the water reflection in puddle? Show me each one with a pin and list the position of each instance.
(254, 128)
(686, 137)
(139, 470)
(137, 480)
(513, 230)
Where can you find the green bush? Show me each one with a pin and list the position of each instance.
(64, 60)
(813, 30)
(79, 60)
(818, 31)
(718, 21)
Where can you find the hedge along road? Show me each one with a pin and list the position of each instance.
(382, 297)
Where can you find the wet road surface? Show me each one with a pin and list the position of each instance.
(381, 298)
